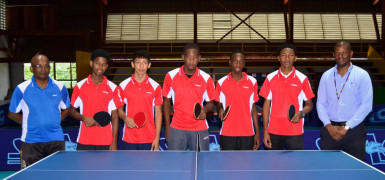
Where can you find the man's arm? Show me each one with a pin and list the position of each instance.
(16, 117)
(128, 121)
(207, 108)
(220, 110)
(64, 113)
(167, 113)
(115, 130)
(254, 115)
(89, 121)
(308, 107)
(322, 109)
(158, 127)
(265, 115)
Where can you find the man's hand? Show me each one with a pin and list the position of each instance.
(256, 142)
(89, 121)
(297, 117)
(202, 115)
(130, 123)
(220, 113)
(155, 145)
(334, 132)
(113, 147)
(266, 139)
(342, 131)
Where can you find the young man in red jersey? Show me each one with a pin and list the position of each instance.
(140, 93)
(240, 130)
(186, 86)
(92, 95)
(282, 88)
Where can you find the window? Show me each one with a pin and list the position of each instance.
(62, 72)
(2, 14)
(213, 26)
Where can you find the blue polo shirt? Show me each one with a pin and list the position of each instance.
(41, 110)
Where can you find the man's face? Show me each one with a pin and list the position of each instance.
(237, 63)
(342, 54)
(99, 65)
(140, 65)
(287, 57)
(191, 59)
(40, 67)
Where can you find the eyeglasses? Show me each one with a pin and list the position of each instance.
(47, 66)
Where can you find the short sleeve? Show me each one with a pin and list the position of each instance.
(17, 96)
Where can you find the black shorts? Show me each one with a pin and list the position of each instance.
(92, 147)
(33, 152)
(236, 142)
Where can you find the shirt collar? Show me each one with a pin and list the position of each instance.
(34, 84)
(350, 68)
(243, 78)
(196, 74)
(134, 81)
(89, 80)
(291, 74)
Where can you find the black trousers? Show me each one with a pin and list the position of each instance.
(279, 142)
(353, 142)
(92, 147)
(236, 142)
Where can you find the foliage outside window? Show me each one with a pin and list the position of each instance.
(62, 72)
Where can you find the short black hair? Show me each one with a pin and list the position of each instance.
(237, 51)
(100, 53)
(191, 46)
(283, 46)
(141, 53)
(343, 43)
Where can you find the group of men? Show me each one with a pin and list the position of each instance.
(345, 97)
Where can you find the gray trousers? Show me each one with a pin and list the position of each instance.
(187, 140)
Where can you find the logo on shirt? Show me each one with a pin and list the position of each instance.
(54, 95)
(198, 85)
(105, 92)
(294, 85)
(149, 92)
(246, 87)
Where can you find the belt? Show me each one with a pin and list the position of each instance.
(338, 123)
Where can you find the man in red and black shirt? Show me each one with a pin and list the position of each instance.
(186, 86)
(92, 95)
(240, 129)
(140, 93)
(282, 88)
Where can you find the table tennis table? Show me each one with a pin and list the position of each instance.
(210, 165)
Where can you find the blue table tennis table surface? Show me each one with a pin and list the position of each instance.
(171, 165)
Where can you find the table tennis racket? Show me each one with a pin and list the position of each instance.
(140, 119)
(291, 112)
(226, 113)
(197, 110)
(103, 118)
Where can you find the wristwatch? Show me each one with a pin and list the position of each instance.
(347, 127)
(303, 114)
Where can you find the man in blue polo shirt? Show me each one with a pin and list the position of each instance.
(44, 104)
